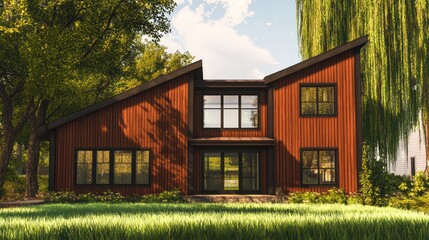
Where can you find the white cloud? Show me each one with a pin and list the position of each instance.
(178, 2)
(236, 11)
(225, 52)
(268, 23)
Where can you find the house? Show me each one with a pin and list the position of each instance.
(411, 156)
(298, 129)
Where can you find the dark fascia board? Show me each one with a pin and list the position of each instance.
(234, 142)
(357, 43)
(231, 84)
(43, 130)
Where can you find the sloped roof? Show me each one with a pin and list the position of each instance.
(357, 43)
(43, 130)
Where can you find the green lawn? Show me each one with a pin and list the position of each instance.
(210, 221)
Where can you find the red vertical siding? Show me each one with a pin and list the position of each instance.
(154, 119)
(293, 132)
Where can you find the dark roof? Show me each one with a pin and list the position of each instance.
(198, 75)
(43, 130)
(357, 43)
(236, 141)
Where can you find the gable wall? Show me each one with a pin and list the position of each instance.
(155, 119)
(293, 132)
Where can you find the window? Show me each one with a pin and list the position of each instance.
(84, 167)
(230, 111)
(318, 166)
(318, 100)
(122, 166)
(114, 166)
(231, 172)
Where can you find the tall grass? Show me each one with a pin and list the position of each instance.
(211, 221)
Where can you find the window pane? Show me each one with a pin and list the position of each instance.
(84, 167)
(327, 176)
(249, 101)
(310, 176)
(308, 108)
(212, 171)
(327, 159)
(309, 159)
(250, 171)
(326, 94)
(211, 101)
(103, 167)
(326, 108)
(142, 167)
(230, 118)
(231, 171)
(308, 94)
(249, 118)
(230, 101)
(123, 160)
(212, 118)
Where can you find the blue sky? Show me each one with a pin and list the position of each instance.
(237, 39)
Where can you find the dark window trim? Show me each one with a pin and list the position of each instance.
(301, 85)
(318, 163)
(111, 166)
(239, 94)
(240, 153)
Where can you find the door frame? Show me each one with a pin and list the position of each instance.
(238, 150)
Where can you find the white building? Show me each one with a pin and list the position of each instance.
(410, 160)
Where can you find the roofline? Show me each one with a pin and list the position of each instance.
(357, 43)
(43, 130)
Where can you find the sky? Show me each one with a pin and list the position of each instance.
(236, 39)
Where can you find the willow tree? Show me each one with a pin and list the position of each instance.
(395, 70)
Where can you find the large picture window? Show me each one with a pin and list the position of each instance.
(317, 100)
(318, 166)
(230, 111)
(113, 166)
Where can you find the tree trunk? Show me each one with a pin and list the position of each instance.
(5, 155)
(36, 120)
(6, 145)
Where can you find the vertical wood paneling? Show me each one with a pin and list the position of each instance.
(293, 132)
(199, 131)
(155, 119)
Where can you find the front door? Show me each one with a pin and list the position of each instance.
(231, 172)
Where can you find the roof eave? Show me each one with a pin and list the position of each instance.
(43, 131)
(357, 43)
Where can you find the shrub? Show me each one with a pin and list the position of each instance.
(354, 198)
(373, 179)
(333, 195)
(111, 197)
(418, 203)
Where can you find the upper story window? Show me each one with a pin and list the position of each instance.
(318, 100)
(231, 111)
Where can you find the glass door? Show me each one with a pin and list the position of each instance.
(229, 172)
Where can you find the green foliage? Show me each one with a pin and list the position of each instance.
(417, 187)
(173, 196)
(333, 195)
(417, 203)
(210, 221)
(373, 179)
(394, 62)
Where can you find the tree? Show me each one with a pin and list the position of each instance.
(54, 54)
(394, 63)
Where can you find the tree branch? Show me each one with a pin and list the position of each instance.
(109, 22)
